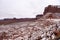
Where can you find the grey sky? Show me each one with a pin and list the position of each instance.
(24, 8)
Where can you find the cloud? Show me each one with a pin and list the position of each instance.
(24, 8)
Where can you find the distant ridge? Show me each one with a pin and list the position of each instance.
(8, 21)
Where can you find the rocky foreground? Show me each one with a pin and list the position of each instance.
(35, 30)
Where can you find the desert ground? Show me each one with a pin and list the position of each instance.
(42, 29)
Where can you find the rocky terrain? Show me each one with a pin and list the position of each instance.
(45, 29)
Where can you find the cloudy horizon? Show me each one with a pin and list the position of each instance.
(24, 8)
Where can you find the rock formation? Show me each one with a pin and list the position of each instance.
(51, 11)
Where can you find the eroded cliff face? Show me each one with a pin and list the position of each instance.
(51, 11)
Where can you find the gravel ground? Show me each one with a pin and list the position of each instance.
(38, 30)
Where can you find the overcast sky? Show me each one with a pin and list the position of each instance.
(24, 8)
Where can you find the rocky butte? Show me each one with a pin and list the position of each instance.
(51, 11)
